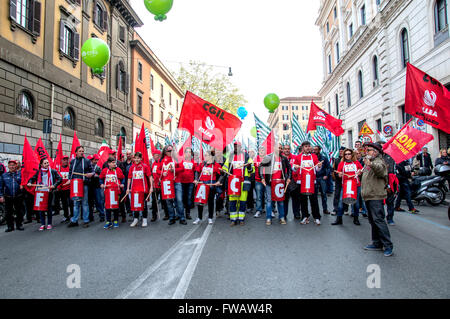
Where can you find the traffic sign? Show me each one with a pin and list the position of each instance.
(420, 122)
(365, 130)
(387, 129)
(367, 139)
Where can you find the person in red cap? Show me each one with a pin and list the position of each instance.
(62, 195)
(96, 194)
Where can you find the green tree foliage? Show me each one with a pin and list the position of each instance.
(200, 79)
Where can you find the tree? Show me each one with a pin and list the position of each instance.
(199, 79)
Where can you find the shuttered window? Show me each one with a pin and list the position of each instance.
(26, 14)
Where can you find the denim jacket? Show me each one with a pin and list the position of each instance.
(10, 184)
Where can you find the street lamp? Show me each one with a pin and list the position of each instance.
(229, 72)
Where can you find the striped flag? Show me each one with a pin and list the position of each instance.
(262, 131)
(147, 138)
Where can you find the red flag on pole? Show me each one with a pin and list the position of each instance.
(269, 143)
(427, 99)
(207, 122)
(59, 156)
(187, 143)
(406, 143)
(41, 152)
(318, 117)
(152, 146)
(75, 144)
(140, 146)
(119, 149)
(103, 154)
(30, 162)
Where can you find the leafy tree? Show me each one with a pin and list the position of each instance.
(199, 78)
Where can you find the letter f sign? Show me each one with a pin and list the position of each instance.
(39, 199)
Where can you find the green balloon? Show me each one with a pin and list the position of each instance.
(271, 101)
(95, 53)
(253, 131)
(159, 8)
(98, 70)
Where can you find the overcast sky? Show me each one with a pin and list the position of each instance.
(273, 46)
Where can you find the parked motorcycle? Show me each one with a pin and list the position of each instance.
(430, 188)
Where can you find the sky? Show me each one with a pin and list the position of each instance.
(272, 46)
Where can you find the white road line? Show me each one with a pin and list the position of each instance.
(184, 282)
(150, 270)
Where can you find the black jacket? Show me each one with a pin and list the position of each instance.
(425, 160)
(55, 176)
(404, 170)
(390, 163)
(76, 165)
(265, 169)
(441, 160)
(326, 168)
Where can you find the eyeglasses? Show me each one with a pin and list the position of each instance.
(348, 154)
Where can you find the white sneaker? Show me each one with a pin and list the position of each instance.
(210, 221)
(273, 215)
(144, 222)
(134, 223)
(304, 220)
(317, 221)
(258, 214)
(197, 221)
(333, 213)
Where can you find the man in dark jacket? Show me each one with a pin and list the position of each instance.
(404, 173)
(96, 194)
(81, 168)
(321, 177)
(425, 160)
(11, 195)
(270, 167)
(337, 182)
(392, 189)
(124, 166)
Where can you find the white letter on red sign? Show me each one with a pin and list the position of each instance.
(136, 200)
(233, 185)
(202, 192)
(112, 198)
(279, 190)
(39, 199)
(167, 188)
(349, 188)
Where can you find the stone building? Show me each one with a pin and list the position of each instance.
(366, 45)
(42, 75)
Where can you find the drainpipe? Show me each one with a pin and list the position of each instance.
(52, 104)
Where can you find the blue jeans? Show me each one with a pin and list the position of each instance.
(81, 202)
(330, 185)
(179, 200)
(322, 187)
(355, 206)
(100, 201)
(188, 188)
(390, 207)
(405, 192)
(259, 188)
(280, 204)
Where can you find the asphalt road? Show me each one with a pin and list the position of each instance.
(218, 261)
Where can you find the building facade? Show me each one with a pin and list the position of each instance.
(366, 45)
(42, 75)
(156, 96)
(280, 119)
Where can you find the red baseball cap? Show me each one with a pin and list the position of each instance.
(64, 157)
(13, 161)
(96, 157)
(112, 152)
(157, 152)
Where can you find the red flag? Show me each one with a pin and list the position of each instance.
(152, 146)
(427, 99)
(187, 143)
(119, 149)
(41, 152)
(140, 146)
(269, 143)
(75, 144)
(59, 156)
(406, 143)
(30, 162)
(318, 117)
(103, 154)
(207, 122)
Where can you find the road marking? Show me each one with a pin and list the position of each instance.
(184, 282)
(428, 221)
(150, 270)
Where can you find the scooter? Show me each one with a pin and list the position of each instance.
(431, 188)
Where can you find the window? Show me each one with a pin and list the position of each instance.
(285, 117)
(139, 71)
(360, 125)
(152, 111)
(285, 127)
(69, 41)
(26, 14)
(329, 64)
(123, 134)
(121, 77)
(161, 119)
(405, 116)
(329, 107)
(328, 27)
(335, 12)
(69, 118)
(349, 98)
(100, 16)
(379, 125)
(25, 105)
(363, 15)
(360, 83)
(304, 107)
(170, 98)
(440, 15)
(350, 30)
(350, 139)
(336, 99)
(122, 34)
(151, 82)
(375, 70)
(337, 52)
(404, 47)
(162, 91)
(99, 128)
(139, 104)
(285, 107)
(305, 117)
(294, 107)
(177, 105)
